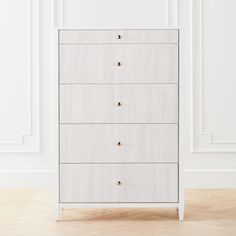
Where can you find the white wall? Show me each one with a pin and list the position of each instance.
(26, 150)
(208, 132)
(208, 97)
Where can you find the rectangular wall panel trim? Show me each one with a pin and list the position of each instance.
(203, 138)
(24, 137)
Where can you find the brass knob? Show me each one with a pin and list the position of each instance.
(118, 183)
(118, 104)
(118, 143)
(118, 63)
(118, 36)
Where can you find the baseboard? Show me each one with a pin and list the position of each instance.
(210, 178)
(43, 178)
(26, 178)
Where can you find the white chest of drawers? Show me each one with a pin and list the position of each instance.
(118, 121)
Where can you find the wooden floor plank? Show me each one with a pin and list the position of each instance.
(29, 213)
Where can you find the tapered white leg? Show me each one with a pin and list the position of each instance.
(57, 211)
(181, 213)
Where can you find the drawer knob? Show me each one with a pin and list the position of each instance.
(118, 143)
(118, 183)
(118, 104)
(118, 63)
(118, 36)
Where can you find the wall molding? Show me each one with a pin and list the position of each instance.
(27, 178)
(200, 131)
(49, 170)
(32, 133)
(27, 132)
(58, 13)
(206, 178)
(172, 13)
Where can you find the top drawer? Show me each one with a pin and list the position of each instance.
(117, 36)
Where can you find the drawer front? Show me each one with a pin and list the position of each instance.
(119, 63)
(117, 36)
(118, 183)
(126, 143)
(119, 103)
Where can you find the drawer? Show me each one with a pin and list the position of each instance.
(120, 143)
(118, 183)
(137, 103)
(117, 36)
(119, 63)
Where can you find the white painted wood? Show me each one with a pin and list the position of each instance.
(99, 103)
(140, 63)
(98, 183)
(173, 13)
(99, 143)
(89, 121)
(183, 131)
(56, 125)
(110, 36)
(57, 13)
(181, 213)
(120, 205)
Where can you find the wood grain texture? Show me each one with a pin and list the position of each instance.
(139, 103)
(99, 183)
(109, 82)
(122, 143)
(29, 212)
(139, 63)
(110, 36)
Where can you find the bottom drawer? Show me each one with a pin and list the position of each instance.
(118, 183)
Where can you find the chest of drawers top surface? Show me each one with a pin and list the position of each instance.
(117, 36)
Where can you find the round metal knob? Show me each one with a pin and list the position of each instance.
(118, 143)
(118, 63)
(118, 104)
(118, 183)
(118, 36)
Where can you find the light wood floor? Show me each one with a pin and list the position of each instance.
(29, 213)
